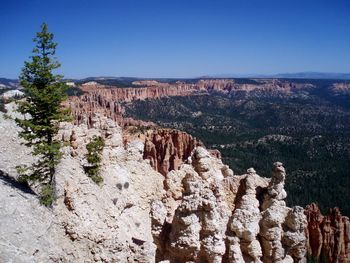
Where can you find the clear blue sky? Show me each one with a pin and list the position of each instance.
(180, 38)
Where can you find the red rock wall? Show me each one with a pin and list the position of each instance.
(107, 99)
(84, 107)
(140, 93)
(168, 149)
(329, 235)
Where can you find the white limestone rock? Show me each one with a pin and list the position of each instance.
(202, 212)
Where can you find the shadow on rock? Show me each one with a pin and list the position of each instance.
(10, 181)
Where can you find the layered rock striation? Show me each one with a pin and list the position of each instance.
(328, 236)
(101, 102)
(108, 100)
(210, 215)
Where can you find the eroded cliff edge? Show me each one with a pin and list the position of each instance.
(109, 100)
(211, 215)
(87, 223)
(201, 212)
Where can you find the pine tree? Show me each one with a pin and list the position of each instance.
(93, 156)
(42, 112)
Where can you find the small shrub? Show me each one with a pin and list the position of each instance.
(93, 157)
(7, 117)
(22, 171)
(46, 195)
(97, 179)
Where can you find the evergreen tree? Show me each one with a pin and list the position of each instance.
(94, 148)
(42, 112)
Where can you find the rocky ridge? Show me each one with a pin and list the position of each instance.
(108, 100)
(200, 212)
(87, 223)
(210, 215)
(85, 107)
(167, 149)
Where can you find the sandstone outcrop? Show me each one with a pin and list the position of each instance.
(119, 209)
(108, 100)
(197, 210)
(210, 215)
(167, 149)
(85, 107)
(87, 223)
(329, 235)
(282, 228)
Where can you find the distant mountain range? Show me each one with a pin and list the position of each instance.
(299, 75)
(8, 83)
(315, 75)
(126, 81)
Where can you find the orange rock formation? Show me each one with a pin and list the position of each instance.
(108, 100)
(329, 235)
(168, 149)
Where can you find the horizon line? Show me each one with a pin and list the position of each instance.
(218, 75)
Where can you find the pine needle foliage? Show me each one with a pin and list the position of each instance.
(42, 111)
(94, 148)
